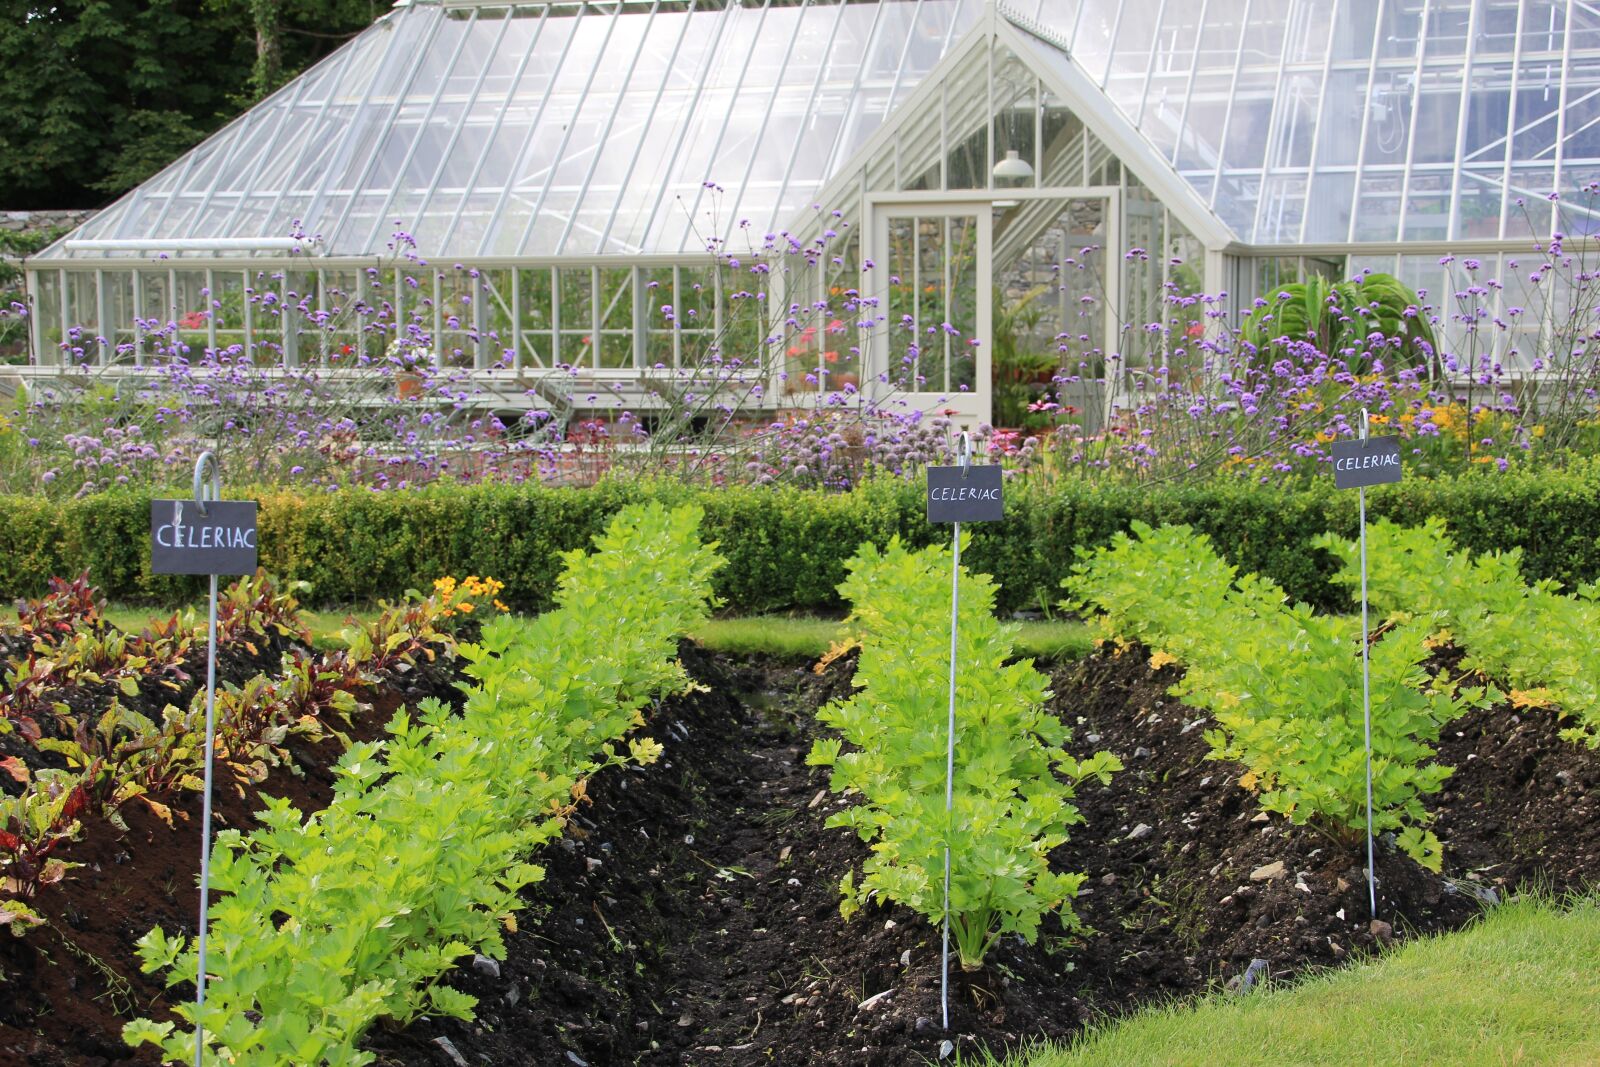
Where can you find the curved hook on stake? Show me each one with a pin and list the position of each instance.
(206, 459)
(964, 451)
(1364, 424)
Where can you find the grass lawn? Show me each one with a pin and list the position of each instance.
(774, 635)
(1519, 987)
(808, 637)
(324, 625)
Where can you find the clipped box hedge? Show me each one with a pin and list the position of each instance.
(786, 547)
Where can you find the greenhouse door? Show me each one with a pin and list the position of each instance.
(933, 286)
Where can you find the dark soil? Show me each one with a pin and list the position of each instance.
(1522, 809)
(729, 949)
(690, 915)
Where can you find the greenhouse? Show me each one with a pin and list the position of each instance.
(558, 188)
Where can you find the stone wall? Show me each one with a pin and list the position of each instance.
(36, 221)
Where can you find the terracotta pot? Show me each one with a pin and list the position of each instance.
(407, 385)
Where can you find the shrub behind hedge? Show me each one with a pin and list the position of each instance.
(786, 547)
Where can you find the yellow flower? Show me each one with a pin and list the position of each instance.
(501, 607)
(465, 607)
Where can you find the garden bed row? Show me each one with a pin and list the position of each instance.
(690, 914)
(693, 917)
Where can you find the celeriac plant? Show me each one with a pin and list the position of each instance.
(327, 922)
(1533, 637)
(1283, 684)
(1014, 781)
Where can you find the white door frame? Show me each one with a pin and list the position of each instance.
(965, 409)
(977, 406)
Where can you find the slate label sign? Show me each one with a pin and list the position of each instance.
(964, 494)
(1357, 464)
(183, 541)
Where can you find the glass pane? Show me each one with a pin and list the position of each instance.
(576, 286)
(697, 315)
(47, 289)
(83, 316)
(227, 308)
(1049, 309)
(264, 295)
(155, 309)
(616, 317)
(306, 341)
(659, 302)
(1427, 216)
(1328, 206)
(933, 279)
(458, 293)
(535, 344)
(118, 288)
(494, 298)
(340, 296)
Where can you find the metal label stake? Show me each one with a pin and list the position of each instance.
(207, 536)
(1366, 683)
(963, 493)
(200, 499)
(964, 457)
(1356, 465)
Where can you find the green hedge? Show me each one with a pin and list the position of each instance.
(786, 547)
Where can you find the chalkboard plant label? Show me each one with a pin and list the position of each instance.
(964, 494)
(1358, 464)
(221, 541)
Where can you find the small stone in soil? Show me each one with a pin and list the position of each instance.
(874, 1000)
(486, 966)
(1269, 871)
(451, 1051)
(1140, 831)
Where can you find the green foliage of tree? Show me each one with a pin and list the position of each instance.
(98, 95)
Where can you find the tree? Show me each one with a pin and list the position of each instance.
(97, 95)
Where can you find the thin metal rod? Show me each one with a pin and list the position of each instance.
(1366, 687)
(950, 776)
(205, 825)
(202, 493)
(964, 452)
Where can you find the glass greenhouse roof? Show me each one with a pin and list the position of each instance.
(1333, 121)
(577, 128)
(553, 130)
